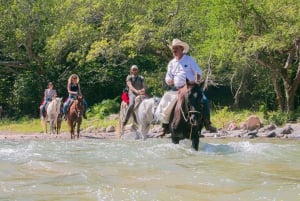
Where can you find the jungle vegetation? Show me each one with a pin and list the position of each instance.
(247, 49)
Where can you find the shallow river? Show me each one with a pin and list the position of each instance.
(94, 169)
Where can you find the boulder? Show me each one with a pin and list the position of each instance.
(110, 129)
(253, 122)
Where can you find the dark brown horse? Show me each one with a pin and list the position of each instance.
(186, 118)
(74, 116)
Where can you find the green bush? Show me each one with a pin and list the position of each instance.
(105, 108)
(277, 118)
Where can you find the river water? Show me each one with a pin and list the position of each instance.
(155, 169)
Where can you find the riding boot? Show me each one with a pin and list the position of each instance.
(64, 116)
(84, 115)
(44, 113)
(208, 126)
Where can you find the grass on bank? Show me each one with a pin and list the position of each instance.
(106, 114)
(27, 125)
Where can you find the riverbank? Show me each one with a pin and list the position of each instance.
(289, 131)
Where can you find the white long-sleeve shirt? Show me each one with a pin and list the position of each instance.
(180, 70)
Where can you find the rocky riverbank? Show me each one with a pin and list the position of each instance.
(289, 131)
(251, 128)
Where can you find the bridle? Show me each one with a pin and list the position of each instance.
(187, 117)
(78, 111)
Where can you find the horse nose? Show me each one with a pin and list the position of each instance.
(193, 120)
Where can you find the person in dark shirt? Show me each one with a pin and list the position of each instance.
(74, 90)
(136, 86)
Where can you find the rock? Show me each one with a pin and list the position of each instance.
(271, 134)
(232, 126)
(89, 129)
(251, 134)
(253, 122)
(110, 129)
(101, 129)
(267, 128)
(287, 130)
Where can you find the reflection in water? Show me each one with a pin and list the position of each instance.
(156, 169)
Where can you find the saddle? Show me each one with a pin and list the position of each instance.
(138, 100)
(178, 105)
(44, 112)
(68, 108)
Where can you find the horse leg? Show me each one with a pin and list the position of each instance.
(44, 125)
(55, 126)
(175, 140)
(195, 142)
(78, 128)
(58, 127)
(71, 127)
(144, 129)
(123, 108)
(50, 125)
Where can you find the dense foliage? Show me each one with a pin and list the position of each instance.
(250, 48)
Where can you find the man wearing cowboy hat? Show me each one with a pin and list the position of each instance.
(180, 69)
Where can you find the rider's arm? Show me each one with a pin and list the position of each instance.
(45, 94)
(169, 79)
(131, 88)
(143, 90)
(79, 90)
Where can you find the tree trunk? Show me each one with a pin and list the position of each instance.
(279, 95)
(238, 92)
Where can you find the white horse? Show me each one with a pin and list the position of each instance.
(54, 115)
(143, 117)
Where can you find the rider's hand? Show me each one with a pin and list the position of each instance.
(170, 82)
(141, 92)
(192, 82)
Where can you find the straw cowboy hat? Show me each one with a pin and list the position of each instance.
(177, 42)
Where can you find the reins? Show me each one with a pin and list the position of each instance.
(189, 113)
(77, 111)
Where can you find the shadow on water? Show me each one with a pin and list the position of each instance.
(217, 148)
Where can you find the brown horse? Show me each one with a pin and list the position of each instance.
(74, 116)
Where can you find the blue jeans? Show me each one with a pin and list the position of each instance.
(43, 107)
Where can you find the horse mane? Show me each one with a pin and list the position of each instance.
(182, 101)
(179, 104)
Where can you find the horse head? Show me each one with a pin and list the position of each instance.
(193, 99)
(79, 107)
(58, 104)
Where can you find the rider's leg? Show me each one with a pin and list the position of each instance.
(129, 109)
(206, 115)
(44, 108)
(65, 107)
(165, 108)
